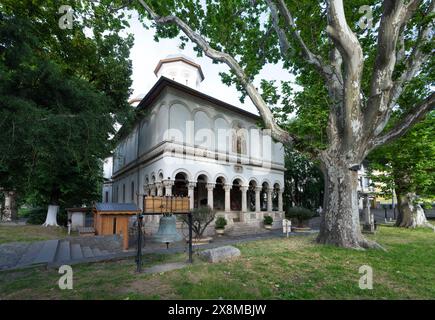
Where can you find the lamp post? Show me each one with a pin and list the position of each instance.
(139, 243)
(139, 238)
(392, 204)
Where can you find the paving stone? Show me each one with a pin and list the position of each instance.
(76, 251)
(96, 252)
(87, 252)
(63, 251)
(11, 253)
(48, 252)
(31, 253)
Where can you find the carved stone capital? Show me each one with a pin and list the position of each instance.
(228, 187)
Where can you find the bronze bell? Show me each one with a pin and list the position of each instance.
(167, 232)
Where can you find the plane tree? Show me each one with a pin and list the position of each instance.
(365, 64)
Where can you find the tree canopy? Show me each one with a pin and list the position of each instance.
(61, 92)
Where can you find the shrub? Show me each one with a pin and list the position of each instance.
(220, 223)
(300, 214)
(39, 214)
(35, 215)
(427, 205)
(201, 218)
(268, 220)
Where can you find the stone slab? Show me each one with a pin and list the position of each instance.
(32, 252)
(76, 252)
(219, 254)
(63, 251)
(48, 252)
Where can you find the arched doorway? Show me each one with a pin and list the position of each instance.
(275, 197)
(263, 196)
(200, 192)
(236, 196)
(219, 194)
(251, 195)
(179, 188)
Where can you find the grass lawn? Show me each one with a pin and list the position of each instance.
(293, 268)
(30, 233)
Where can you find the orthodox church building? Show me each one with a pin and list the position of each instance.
(187, 143)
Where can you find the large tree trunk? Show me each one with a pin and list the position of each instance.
(411, 215)
(51, 219)
(53, 209)
(10, 212)
(340, 224)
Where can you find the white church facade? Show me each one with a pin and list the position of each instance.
(186, 143)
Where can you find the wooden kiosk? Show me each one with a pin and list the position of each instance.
(112, 218)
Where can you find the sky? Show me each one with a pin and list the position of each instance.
(146, 53)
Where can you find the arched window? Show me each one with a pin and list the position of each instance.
(239, 140)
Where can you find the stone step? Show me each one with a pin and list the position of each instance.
(63, 252)
(47, 253)
(96, 252)
(76, 251)
(31, 253)
(105, 252)
(87, 252)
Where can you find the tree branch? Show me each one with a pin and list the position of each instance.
(266, 114)
(325, 70)
(284, 44)
(412, 66)
(352, 57)
(395, 15)
(416, 114)
(331, 73)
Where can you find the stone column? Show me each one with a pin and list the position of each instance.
(280, 204)
(227, 189)
(146, 190)
(369, 225)
(244, 189)
(257, 199)
(210, 188)
(191, 188)
(159, 186)
(269, 199)
(153, 190)
(168, 187)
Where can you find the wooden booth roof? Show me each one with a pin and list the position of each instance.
(117, 208)
(81, 209)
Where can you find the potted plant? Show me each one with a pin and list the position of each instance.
(220, 224)
(301, 215)
(268, 221)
